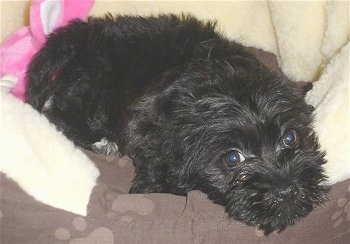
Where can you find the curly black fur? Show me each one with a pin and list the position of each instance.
(194, 111)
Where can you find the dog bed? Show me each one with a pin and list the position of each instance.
(52, 192)
(117, 217)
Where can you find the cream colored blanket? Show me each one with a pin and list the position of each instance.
(310, 40)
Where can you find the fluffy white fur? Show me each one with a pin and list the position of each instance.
(309, 39)
(330, 97)
(40, 159)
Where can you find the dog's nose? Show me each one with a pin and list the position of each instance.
(288, 192)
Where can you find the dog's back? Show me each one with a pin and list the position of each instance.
(127, 50)
(88, 73)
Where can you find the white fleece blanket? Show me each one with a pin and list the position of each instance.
(310, 40)
(41, 160)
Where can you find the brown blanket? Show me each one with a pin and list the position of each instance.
(117, 217)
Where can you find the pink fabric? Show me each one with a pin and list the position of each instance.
(20, 47)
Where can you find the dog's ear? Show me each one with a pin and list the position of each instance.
(303, 86)
(266, 58)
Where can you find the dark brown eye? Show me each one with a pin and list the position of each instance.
(290, 139)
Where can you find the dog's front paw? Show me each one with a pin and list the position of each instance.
(106, 147)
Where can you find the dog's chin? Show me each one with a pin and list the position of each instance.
(270, 212)
(273, 215)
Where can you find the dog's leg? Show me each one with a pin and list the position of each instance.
(141, 186)
(147, 179)
(106, 147)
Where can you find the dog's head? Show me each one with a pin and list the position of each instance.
(245, 138)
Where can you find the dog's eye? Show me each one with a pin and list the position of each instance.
(234, 157)
(290, 139)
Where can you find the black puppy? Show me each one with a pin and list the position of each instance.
(194, 111)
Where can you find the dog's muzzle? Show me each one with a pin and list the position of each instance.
(286, 192)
